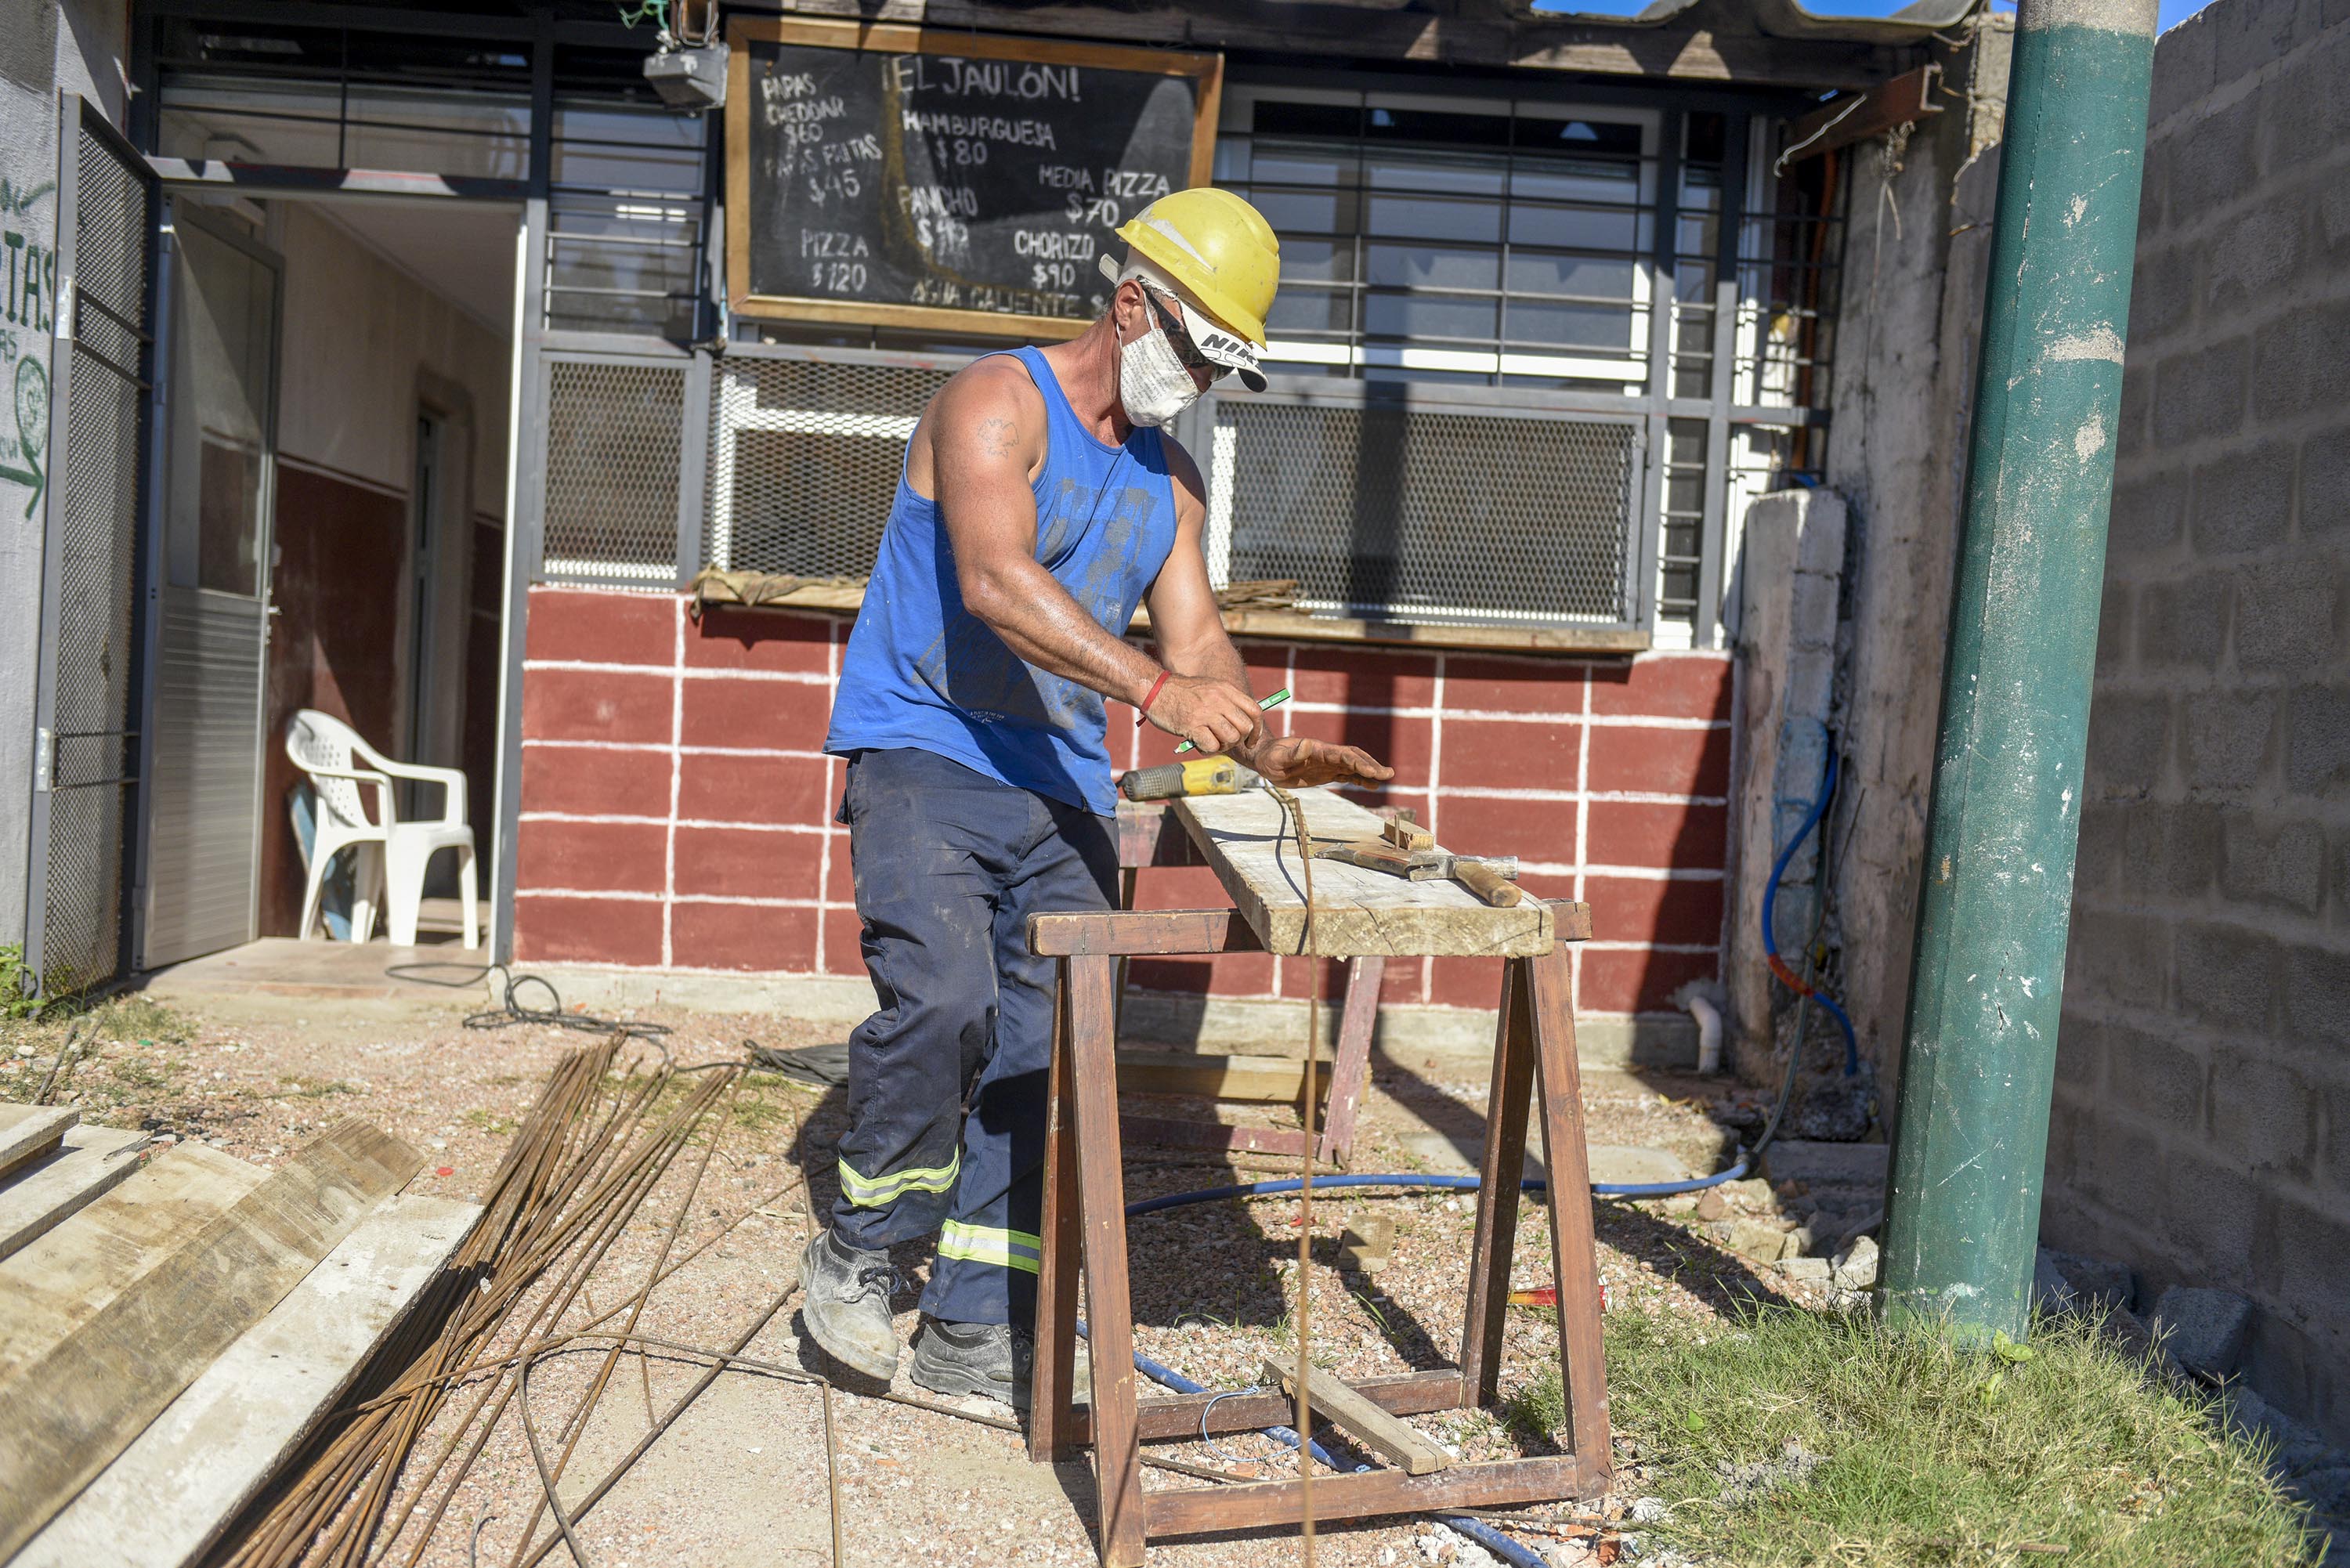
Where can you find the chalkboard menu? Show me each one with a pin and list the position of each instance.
(950, 181)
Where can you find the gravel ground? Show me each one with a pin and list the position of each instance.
(741, 1475)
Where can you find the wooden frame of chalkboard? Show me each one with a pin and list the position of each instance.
(1205, 71)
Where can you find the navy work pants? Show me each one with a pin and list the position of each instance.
(947, 1082)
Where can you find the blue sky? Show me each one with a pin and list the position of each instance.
(2173, 11)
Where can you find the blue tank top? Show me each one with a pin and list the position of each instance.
(924, 672)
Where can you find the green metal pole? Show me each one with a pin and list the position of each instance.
(1980, 1062)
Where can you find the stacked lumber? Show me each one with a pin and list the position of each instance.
(174, 1322)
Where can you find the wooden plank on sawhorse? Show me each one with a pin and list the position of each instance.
(1150, 836)
(170, 1494)
(69, 1414)
(1361, 1418)
(84, 1166)
(1084, 1227)
(1248, 840)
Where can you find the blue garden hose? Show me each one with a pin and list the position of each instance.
(1794, 982)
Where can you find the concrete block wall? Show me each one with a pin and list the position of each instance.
(2201, 1128)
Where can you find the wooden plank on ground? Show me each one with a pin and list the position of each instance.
(28, 1132)
(58, 1283)
(1388, 1436)
(1246, 838)
(71, 1412)
(90, 1161)
(171, 1492)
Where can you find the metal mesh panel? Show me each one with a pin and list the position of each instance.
(1389, 511)
(613, 436)
(804, 460)
(95, 538)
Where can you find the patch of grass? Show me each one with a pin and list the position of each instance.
(1799, 1438)
(482, 1119)
(16, 984)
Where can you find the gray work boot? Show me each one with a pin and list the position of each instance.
(989, 1359)
(846, 1306)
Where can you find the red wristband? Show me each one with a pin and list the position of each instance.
(1149, 698)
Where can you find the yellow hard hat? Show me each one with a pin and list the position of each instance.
(1216, 245)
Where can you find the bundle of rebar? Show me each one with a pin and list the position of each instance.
(591, 1151)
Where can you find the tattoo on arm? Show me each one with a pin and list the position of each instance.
(996, 436)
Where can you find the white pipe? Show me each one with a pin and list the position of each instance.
(1709, 1033)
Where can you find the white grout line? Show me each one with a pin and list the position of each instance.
(690, 672)
(1435, 794)
(676, 785)
(825, 804)
(1582, 825)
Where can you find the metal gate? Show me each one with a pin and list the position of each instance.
(86, 743)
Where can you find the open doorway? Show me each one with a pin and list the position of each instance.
(377, 552)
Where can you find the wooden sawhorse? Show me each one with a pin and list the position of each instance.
(1084, 1221)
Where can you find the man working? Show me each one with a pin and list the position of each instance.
(1040, 504)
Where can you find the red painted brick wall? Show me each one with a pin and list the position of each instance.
(676, 803)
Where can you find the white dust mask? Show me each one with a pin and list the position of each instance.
(1151, 381)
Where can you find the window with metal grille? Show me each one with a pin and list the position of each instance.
(624, 220)
(1460, 238)
(611, 465)
(1384, 509)
(804, 453)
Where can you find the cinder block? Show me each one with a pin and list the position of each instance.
(2200, 392)
(2159, 1077)
(2205, 1329)
(2153, 186)
(2080, 1054)
(2185, 624)
(2120, 956)
(2209, 1214)
(2098, 862)
(1811, 682)
(2286, 615)
(2261, 1110)
(2305, 114)
(2227, 975)
(2130, 739)
(2132, 424)
(2274, 861)
(2163, 291)
(2148, 513)
(2172, 850)
(2243, 501)
(2334, 1149)
(2264, 246)
(2317, 741)
(2226, 737)
(1827, 1164)
(2098, 1280)
(2317, 995)
(2213, 164)
(2325, 480)
(2252, 32)
(1820, 545)
(1812, 611)
(2185, 62)
(2303, 362)
(2115, 623)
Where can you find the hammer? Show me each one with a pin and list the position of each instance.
(1489, 878)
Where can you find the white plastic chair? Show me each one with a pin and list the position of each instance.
(392, 854)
